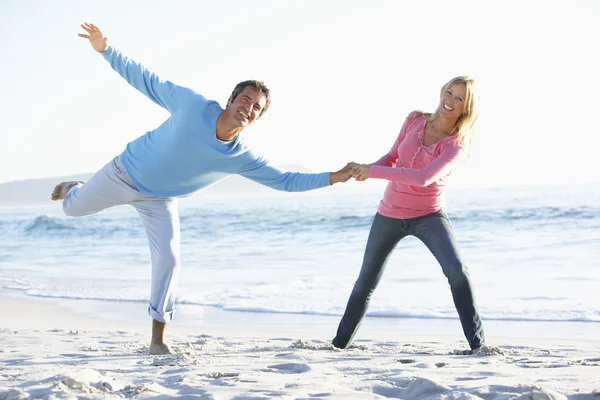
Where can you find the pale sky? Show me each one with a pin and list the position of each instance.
(343, 75)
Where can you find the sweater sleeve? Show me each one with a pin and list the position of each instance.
(441, 166)
(261, 171)
(164, 93)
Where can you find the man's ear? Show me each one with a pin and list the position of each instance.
(229, 101)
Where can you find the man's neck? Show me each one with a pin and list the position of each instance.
(225, 131)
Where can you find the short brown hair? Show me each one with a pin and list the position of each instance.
(259, 86)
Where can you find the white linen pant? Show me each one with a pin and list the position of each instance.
(112, 186)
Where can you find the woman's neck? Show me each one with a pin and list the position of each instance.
(443, 125)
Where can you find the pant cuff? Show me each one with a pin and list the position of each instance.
(165, 317)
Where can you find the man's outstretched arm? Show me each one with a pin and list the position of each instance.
(261, 171)
(163, 93)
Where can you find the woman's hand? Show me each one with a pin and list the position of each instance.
(360, 172)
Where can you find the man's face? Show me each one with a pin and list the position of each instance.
(247, 106)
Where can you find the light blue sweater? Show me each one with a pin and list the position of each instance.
(183, 154)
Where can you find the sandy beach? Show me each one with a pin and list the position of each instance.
(49, 351)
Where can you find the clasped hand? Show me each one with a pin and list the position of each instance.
(359, 172)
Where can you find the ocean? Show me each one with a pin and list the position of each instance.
(533, 255)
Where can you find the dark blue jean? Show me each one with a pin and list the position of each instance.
(435, 231)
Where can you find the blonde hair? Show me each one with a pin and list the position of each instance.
(466, 126)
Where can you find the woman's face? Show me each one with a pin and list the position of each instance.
(452, 101)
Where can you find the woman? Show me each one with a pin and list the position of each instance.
(417, 167)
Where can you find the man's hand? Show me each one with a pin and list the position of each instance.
(94, 35)
(343, 175)
(360, 172)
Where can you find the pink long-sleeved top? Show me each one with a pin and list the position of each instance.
(417, 173)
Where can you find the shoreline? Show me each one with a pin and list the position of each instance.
(193, 319)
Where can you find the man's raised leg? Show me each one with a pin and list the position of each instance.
(62, 189)
(108, 187)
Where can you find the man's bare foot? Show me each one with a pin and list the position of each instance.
(60, 191)
(159, 348)
(157, 344)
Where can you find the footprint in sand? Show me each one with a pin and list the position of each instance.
(68, 355)
(219, 375)
(290, 368)
(593, 362)
(15, 361)
(541, 363)
(291, 356)
(173, 360)
(414, 389)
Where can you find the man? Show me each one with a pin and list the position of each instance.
(196, 146)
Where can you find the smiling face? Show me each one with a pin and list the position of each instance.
(459, 106)
(452, 101)
(247, 106)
